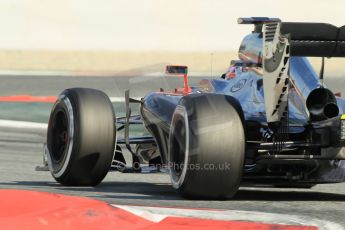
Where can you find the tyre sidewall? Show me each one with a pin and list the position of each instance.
(58, 169)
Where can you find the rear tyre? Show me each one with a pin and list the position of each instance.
(207, 146)
(81, 137)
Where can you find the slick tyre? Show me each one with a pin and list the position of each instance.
(207, 146)
(81, 137)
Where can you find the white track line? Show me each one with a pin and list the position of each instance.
(22, 124)
(157, 214)
(122, 99)
(35, 125)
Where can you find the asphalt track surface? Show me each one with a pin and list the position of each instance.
(21, 151)
(113, 86)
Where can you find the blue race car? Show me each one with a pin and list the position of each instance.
(270, 120)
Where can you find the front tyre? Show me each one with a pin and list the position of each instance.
(207, 146)
(81, 137)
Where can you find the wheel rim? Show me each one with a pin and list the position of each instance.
(179, 147)
(60, 136)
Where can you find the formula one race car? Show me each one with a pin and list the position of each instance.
(269, 121)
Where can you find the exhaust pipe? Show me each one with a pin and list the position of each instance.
(322, 104)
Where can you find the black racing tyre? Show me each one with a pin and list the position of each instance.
(207, 146)
(81, 137)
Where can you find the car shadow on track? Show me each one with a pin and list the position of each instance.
(288, 195)
(114, 190)
(159, 191)
(131, 190)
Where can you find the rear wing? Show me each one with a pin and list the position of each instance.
(307, 39)
(315, 39)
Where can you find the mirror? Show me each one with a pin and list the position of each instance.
(176, 69)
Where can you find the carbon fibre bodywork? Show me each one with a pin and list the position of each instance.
(313, 151)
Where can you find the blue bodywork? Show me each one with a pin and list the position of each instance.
(247, 87)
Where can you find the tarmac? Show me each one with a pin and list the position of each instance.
(21, 151)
